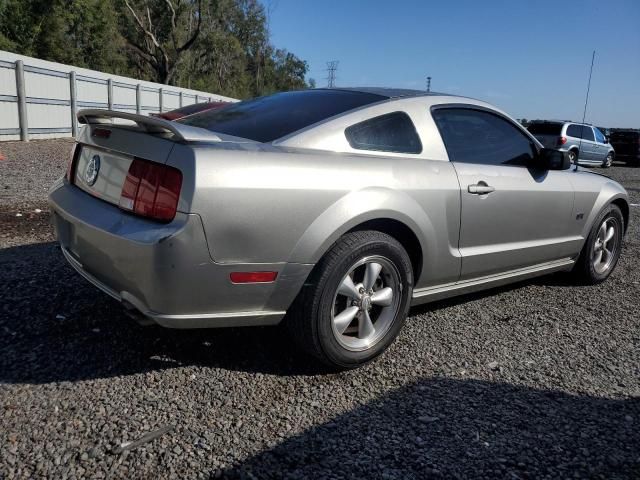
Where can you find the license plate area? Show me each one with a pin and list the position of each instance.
(101, 173)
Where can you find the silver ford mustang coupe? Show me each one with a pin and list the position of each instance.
(330, 210)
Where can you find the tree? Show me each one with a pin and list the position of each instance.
(220, 46)
(161, 32)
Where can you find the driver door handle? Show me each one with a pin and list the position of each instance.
(480, 188)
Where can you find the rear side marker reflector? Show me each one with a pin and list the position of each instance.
(253, 277)
(151, 190)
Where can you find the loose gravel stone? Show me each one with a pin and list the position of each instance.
(78, 378)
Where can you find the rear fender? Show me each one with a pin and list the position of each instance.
(358, 207)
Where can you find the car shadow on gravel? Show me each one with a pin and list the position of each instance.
(56, 327)
(446, 428)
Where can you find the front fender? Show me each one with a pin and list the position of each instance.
(609, 192)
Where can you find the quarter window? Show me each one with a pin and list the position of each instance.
(476, 136)
(393, 132)
(599, 136)
(580, 131)
(588, 133)
(574, 131)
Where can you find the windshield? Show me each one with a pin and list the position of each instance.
(265, 119)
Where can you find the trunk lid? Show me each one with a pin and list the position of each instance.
(110, 141)
(102, 162)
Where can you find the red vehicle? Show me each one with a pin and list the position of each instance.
(190, 110)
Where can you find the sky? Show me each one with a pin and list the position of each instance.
(529, 58)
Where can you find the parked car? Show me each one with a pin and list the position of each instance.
(190, 110)
(585, 143)
(333, 210)
(627, 145)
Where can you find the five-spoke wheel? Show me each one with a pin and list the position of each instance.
(365, 303)
(356, 300)
(605, 246)
(601, 251)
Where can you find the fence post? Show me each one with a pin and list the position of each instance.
(22, 102)
(197, 100)
(138, 98)
(180, 99)
(110, 93)
(73, 103)
(160, 99)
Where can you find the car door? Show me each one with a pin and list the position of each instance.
(513, 214)
(601, 144)
(589, 145)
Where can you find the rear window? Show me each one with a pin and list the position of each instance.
(265, 119)
(195, 107)
(545, 128)
(393, 132)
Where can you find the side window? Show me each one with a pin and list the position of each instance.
(574, 131)
(476, 136)
(587, 133)
(599, 136)
(393, 132)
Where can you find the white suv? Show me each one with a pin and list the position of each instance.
(585, 143)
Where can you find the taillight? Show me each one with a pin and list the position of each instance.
(151, 190)
(71, 166)
(562, 140)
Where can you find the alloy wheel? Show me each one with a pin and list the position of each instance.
(366, 303)
(605, 246)
(609, 161)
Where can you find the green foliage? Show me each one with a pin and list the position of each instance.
(221, 46)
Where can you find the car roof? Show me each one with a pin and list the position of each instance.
(560, 121)
(391, 92)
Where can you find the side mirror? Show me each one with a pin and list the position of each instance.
(552, 159)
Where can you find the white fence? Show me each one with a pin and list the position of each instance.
(39, 99)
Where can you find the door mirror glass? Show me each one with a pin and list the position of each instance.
(552, 159)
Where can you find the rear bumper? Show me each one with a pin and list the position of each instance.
(164, 270)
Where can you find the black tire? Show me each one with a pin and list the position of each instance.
(310, 319)
(608, 161)
(573, 156)
(585, 271)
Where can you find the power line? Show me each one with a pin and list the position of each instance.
(332, 66)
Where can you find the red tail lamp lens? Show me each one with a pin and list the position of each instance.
(151, 190)
(71, 166)
(253, 277)
(562, 140)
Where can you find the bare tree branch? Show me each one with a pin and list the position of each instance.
(147, 32)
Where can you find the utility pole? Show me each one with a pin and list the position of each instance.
(428, 84)
(332, 66)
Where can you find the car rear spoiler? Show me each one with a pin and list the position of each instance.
(179, 132)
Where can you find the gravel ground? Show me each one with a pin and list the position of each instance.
(538, 380)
